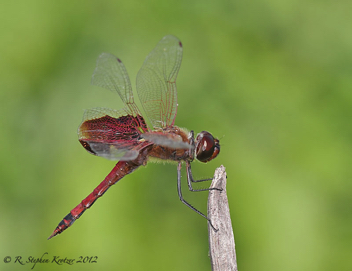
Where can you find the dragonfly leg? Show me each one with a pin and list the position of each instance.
(185, 202)
(190, 180)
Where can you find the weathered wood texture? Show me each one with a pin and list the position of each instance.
(221, 243)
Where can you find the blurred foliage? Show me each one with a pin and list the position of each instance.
(271, 79)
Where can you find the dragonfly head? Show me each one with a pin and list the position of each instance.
(207, 147)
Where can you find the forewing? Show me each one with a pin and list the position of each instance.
(156, 82)
(110, 73)
(111, 134)
(167, 140)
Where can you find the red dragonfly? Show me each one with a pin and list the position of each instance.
(124, 135)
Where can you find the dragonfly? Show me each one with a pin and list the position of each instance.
(125, 135)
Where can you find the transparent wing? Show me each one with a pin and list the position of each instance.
(167, 140)
(112, 151)
(156, 82)
(110, 73)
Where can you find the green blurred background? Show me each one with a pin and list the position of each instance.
(271, 79)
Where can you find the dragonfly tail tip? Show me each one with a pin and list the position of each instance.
(52, 235)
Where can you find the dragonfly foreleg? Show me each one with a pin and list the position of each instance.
(190, 180)
(183, 200)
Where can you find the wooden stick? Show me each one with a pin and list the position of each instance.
(221, 243)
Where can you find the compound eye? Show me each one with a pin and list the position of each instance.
(207, 147)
